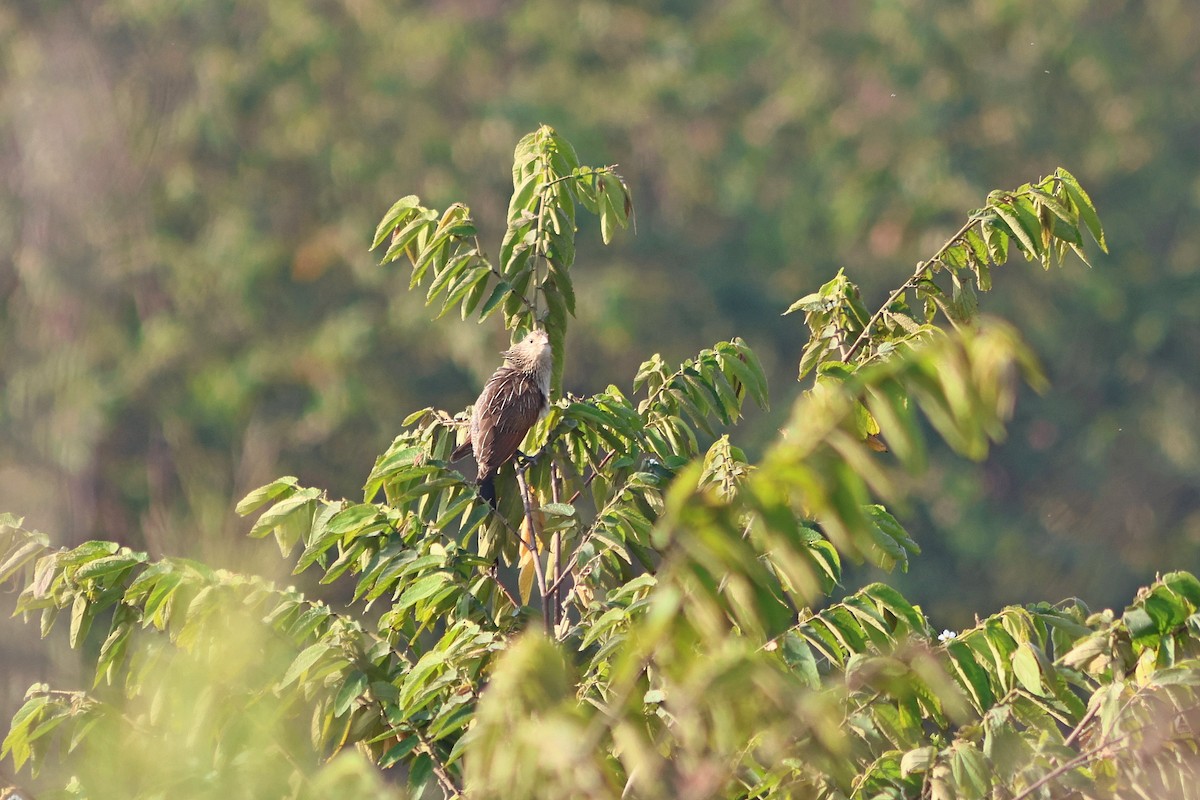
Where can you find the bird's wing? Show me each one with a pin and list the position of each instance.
(504, 413)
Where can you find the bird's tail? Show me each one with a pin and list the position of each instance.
(487, 489)
(462, 450)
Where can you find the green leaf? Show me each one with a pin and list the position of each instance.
(398, 752)
(303, 662)
(559, 509)
(352, 518)
(894, 602)
(109, 565)
(1166, 608)
(16, 743)
(918, 760)
(22, 556)
(515, 251)
(420, 225)
(161, 601)
(997, 241)
(1086, 649)
(479, 284)
(265, 494)
(1025, 667)
(524, 196)
(1008, 213)
(973, 677)
(1182, 675)
(352, 689)
(112, 651)
(560, 279)
(421, 589)
(88, 551)
(308, 622)
(970, 771)
(963, 302)
(451, 723)
(977, 247)
(448, 274)
(891, 527)
(1185, 585)
(754, 383)
(810, 302)
(800, 658)
(301, 504)
(416, 415)
(398, 212)
(499, 292)
(1087, 210)
(81, 620)
(394, 461)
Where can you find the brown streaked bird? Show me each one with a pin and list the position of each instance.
(513, 399)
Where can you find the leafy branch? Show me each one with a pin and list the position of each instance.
(1045, 221)
(537, 250)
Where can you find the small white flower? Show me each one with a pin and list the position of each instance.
(946, 634)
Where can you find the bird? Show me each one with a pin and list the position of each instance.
(512, 400)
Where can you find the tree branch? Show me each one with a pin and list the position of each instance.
(494, 572)
(439, 769)
(555, 557)
(441, 772)
(865, 336)
(595, 471)
(531, 543)
(1088, 755)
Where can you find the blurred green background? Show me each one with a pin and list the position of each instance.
(187, 191)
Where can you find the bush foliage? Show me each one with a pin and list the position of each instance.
(647, 614)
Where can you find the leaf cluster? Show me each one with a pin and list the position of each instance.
(1045, 221)
(531, 280)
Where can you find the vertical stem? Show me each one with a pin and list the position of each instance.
(531, 544)
(555, 559)
(539, 249)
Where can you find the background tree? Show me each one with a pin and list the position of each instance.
(188, 310)
(679, 650)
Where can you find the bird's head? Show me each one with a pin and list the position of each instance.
(532, 353)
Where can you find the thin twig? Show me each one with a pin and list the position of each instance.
(439, 769)
(865, 336)
(494, 571)
(595, 471)
(1082, 723)
(591, 171)
(555, 555)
